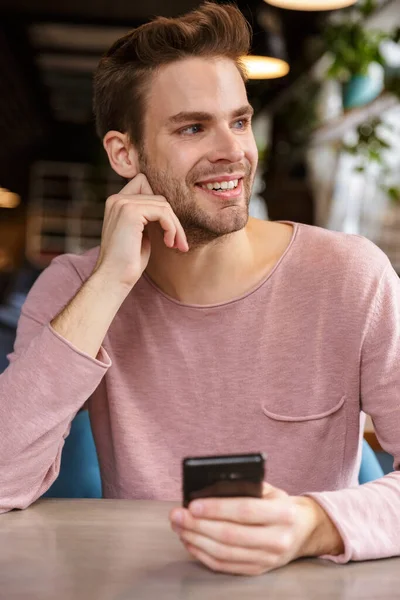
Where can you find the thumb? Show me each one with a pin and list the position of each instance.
(271, 492)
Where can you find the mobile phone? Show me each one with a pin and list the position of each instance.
(229, 476)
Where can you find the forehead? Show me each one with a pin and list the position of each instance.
(195, 84)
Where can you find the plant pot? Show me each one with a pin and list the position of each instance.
(362, 89)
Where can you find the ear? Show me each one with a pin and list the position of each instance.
(121, 153)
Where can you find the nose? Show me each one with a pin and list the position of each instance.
(226, 146)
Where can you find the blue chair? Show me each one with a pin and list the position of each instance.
(370, 468)
(79, 475)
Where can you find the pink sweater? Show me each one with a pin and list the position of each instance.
(287, 369)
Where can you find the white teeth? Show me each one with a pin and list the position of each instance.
(221, 185)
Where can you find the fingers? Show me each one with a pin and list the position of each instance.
(269, 491)
(151, 209)
(249, 511)
(221, 566)
(174, 235)
(180, 240)
(138, 185)
(232, 534)
(222, 551)
(167, 221)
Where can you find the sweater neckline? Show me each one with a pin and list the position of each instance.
(238, 298)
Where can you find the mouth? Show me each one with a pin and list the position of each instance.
(223, 188)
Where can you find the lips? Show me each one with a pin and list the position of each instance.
(221, 178)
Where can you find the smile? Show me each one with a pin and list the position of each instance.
(221, 185)
(223, 189)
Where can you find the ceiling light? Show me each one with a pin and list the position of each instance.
(311, 4)
(8, 199)
(264, 67)
(268, 56)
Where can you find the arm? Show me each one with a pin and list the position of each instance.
(52, 372)
(367, 516)
(85, 321)
(58, 360)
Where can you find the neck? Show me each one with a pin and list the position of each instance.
(211, 273)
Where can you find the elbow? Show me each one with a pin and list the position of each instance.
(20, 490)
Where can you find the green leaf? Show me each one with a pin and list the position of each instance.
(354, 48)
(394, 193)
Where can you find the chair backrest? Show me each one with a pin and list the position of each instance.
(370, 468)
(79, 475)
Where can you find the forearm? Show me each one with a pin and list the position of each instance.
(40, 393)
(85, 321)
(367, 517)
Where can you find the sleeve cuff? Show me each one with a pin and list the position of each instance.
(102, 360)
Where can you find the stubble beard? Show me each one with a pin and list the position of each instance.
(200, 227)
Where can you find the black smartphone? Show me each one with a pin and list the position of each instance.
(230, 476)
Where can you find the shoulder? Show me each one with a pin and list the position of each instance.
(341, 255)
(58, 284)
(80, 264)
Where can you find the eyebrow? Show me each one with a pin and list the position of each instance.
(199, 116)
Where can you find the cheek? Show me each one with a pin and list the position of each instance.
(252, 153)
(180, 158)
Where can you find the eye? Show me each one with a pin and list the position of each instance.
(241, 123)
(191, 129)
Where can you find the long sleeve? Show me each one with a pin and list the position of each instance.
(46, 383)
(368, 516)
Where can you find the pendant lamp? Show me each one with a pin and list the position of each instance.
(311, 4)
(267, 59)
(264, 67)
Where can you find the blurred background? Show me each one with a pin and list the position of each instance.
(326, 93)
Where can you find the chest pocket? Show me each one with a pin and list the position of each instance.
(305, 450)
(292, 418)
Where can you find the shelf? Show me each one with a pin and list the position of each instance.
(333, 131)
(71, 219)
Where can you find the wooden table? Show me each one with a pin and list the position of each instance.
(124, 550)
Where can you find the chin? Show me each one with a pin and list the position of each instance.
(208, 230)
(236, 224)
(234, 219)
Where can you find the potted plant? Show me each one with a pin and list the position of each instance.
(358, 61)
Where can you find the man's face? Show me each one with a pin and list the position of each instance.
(197, 132)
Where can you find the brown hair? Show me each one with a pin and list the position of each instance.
(123, 75)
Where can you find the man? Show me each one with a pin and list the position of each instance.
(195, 330)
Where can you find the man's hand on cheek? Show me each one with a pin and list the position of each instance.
(250, 536)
